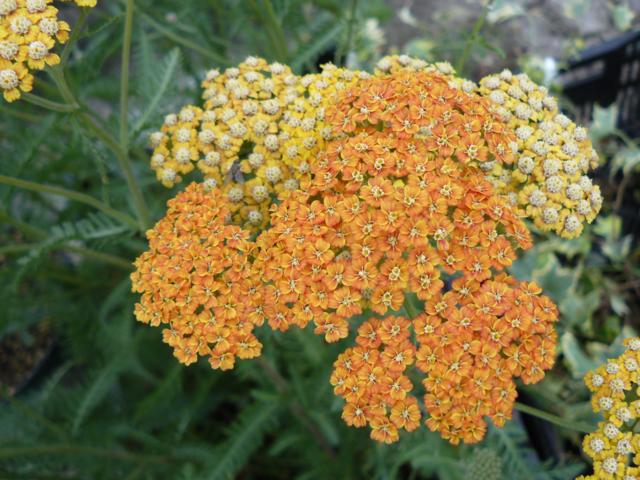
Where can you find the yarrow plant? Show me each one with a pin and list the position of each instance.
(615, 446)
(388, 204)
(29, 31)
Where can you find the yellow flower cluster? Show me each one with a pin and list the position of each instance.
(29, 30)
(549, 181)
(614, 446)
(259, 128)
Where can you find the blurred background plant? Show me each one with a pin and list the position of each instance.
(88, 393)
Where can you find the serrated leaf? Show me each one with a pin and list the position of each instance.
(245, 437)
(95, 394)
(96, 226)
(159, 81)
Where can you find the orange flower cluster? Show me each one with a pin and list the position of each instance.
(472, 343)
(196, 279)
(393, 212)
(397, 204)
(30, 30)
(371, 377)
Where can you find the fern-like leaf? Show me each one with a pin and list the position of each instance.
(156, 81)
(95, 394)
(508, 442)
(245, 437)
(97, 226)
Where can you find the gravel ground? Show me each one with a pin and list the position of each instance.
(542, 27)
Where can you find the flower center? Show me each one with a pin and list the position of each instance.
(8, 79)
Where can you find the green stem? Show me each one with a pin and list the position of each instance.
(71, 195)
(219, 59)
(576, 426)
(85, 252)
(21, 248)
(21, 115)
(104, 136)
(122, 155)
(23, 227)
(344, 48)
(100, 256)
(283, 389)
(411, 311)
(70, 449)
(57, 74)
(278, 33)
(473, 36)
(124, 77)
(274, 29)
(75, 33)
(48, 104)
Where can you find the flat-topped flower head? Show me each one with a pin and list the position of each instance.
(397, 197)
(548, 182)
(235, 140)
(196, 282)
(30, 31)
(613, 447)
(398, 203)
